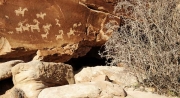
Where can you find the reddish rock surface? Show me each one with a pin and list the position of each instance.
(55, 30)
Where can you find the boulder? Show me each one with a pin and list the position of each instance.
(34, 76)
(57, 31)
(117, 75)
(5, 67)
(101, 89)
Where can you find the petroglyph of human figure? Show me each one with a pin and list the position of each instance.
(20, 11)
(41, 15)
(57, 22)
(60, 36)
(71, 32)
(44, 35)
(47, 27)
(10, 32)
(36, 26)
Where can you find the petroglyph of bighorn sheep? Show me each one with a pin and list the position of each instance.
(60, 36)
(36, 26)
(41, 15)
(57, 22)
(44, 35)
(47, 27)
(10, 32)
(71, 32)
(20, 11)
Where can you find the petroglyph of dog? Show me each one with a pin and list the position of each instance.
(26, 28)
(10, 32)
(44, 35)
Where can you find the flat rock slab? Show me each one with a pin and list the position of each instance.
(117, 75)
(84, 90)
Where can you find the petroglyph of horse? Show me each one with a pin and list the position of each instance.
(41, 15)
(47, 27)
(60, 36)
(71, 32)
(36, 26)
(57, 22)
(20, 11)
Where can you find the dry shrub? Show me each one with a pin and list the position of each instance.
(148, 43)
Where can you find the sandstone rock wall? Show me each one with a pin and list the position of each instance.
(53, 30)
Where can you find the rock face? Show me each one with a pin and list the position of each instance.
(55, 31)
(34, 76)
(6, 69)
(117, 75)
(84, 90)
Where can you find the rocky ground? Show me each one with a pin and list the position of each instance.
(38, 79)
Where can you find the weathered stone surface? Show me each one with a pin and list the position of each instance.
(84, 90)
(142, 94)
(5, 71)
(117, 75)
(14, 93)
(57, 30)
(34, 76)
